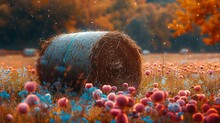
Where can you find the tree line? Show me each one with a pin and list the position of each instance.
(24, 23)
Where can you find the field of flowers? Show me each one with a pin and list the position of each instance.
(175, 88)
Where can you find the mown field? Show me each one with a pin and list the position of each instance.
(20, 61)
(175, 88)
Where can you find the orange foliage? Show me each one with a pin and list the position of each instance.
(104, 22)
(202, 13)
(4, 12)
(104, 14)
(157, 18)
(40, 3)
(70, 25)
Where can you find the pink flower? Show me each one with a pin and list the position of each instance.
(97, 94)
(106, 88)
(213, 118)
(121, 118)
(131, 89)
(198, 117)
(188, 93)
(205, 107)
(157, 96)
(63, 102)
(159, 107)
(165, 94)
(131, 102)
(210, 72)
(109, 104)
(30, 86)
(9, 117)
(32, 99)
(191, 108)
(33, 71)
(155, 85)
(147, 72)
(181, 102)
(211, 110)
(171, 100)
(120, 92)
(144, 100)
(158, 70)
(23, 108)
(99, 103)
(115, 112)
(88, 85)
(180, 76)
(183, 98)
(176, 98)
(125, 85)
(114, 88)
(192, 102)
(139, 107)
(182, 93)
(111, 96)
(121, 101)
(148, 94)
(197, 88)
(201, 96)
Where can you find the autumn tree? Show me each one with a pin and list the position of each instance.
(149, 27)
(204, 14)
(92, 14)
(106, 14)
(4, 14)
(25, 22)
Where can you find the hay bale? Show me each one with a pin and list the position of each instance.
(103, 57)
(29, 52)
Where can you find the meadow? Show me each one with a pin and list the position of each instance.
(175, 88)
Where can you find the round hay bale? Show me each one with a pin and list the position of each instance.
(29, 52)
(103, 58)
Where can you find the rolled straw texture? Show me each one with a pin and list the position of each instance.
(99, 57)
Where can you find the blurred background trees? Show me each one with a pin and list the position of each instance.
(149, 27)
(24, 23)
(202, 13)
